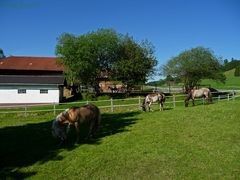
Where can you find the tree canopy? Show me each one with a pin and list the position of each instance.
(228, 65)
(85, 56)
(136, 62)
(193, 65)
(1, 54)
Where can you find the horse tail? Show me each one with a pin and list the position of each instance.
(163, 97)
(97, 116)
(210, 96)
(95, 122)
(143, 104)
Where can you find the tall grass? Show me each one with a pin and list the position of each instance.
(201, 142)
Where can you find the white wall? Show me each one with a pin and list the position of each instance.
(9, 94)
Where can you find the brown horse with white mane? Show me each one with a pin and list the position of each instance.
(195, 93)
(151, 98)
(75, 116)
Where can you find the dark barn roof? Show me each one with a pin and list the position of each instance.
(31, 79)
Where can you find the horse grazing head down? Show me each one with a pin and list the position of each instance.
(151, 98)
(198, 93)
(59, 125)
(59, 130)
(75, 116)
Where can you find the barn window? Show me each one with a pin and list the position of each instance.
(43, 91)
(22, 91)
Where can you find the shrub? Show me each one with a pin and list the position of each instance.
(88, 96)
(104, 97)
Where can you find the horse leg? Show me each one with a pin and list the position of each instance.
(161, 106)
(68, 128)
(149, 109)
(77, 132)
(207, 99)
(62, 142)
(93, 129)
(193, 102)
(90, 133)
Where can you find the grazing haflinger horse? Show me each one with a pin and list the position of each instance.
(151, 98)
(75, 116)
(196, 93)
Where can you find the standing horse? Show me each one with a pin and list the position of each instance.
(151, 98)
(75, 116)
(195, 93)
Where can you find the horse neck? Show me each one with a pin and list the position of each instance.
(190, 95)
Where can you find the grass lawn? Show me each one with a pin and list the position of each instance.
(201, 142)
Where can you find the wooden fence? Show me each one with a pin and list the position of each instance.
(111, 104)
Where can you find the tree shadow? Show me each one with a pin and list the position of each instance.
(22, 146)
(116, 123)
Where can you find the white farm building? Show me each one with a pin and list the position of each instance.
(30, 80)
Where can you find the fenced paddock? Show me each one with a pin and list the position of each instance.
(184, 143)
(114, 105)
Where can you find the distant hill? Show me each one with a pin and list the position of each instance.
(232, 82)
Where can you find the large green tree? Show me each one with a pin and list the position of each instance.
(85, 56)
(136, 62)
(193, 65)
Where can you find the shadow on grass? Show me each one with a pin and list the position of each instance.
(23, 146)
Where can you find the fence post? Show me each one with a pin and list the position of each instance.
(111, 105)
(233, 95)
(228, 97)
(54, 109)
(219, 97)
(174, 101)
(25, 110)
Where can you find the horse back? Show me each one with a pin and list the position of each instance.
(201, 92)
(87, 113)
(152, 97)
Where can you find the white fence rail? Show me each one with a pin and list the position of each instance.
(110, 104)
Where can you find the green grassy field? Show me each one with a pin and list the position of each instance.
(232, 82)
(201, 142)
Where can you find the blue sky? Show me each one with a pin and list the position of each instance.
(30, 28)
